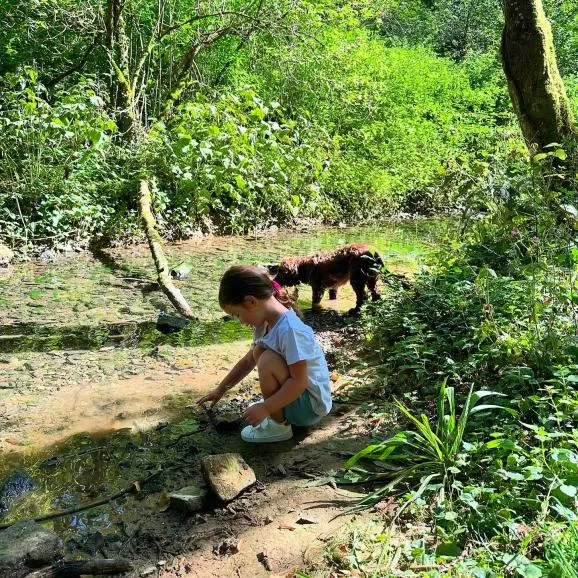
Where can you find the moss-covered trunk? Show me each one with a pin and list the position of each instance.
(534, 83)
(122, 97)
(156, 247)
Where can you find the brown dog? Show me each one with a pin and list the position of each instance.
(357, 263)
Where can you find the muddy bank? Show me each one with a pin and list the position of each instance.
(80, 468)
(93, 397)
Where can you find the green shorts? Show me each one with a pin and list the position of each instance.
(300, 412)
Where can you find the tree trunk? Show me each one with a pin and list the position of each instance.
(156, 247)
(534, 83)
(122, 97)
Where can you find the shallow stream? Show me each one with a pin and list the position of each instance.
(93, 396)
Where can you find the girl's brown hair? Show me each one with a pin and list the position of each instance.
(241, 281)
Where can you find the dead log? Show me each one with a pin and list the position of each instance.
(156, 247)
(83, 568)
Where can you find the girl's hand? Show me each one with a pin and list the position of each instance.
(213, 396)
(255, 414)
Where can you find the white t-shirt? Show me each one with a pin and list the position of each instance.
(294, 341)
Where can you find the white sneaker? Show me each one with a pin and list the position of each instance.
(266, 432)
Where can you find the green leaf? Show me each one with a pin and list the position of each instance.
(257, 114)
(206, 151)
(529, 571)
(569, 490)
(240, 182)
(187, 426)
(448, 549)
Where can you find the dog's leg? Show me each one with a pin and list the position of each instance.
(318, 291)
(358, 281)
(333, 293)
(372, 286)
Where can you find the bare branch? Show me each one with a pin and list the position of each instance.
(153, 41)
(171, 29)
(78, 66)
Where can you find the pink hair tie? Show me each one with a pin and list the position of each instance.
(276, 286)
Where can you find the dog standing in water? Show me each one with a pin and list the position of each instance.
(357, 263)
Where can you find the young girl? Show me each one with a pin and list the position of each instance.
(293, 373)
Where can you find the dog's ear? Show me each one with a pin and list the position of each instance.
(272, 268)
(269, 268)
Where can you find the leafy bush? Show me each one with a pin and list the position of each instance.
(236, 161)
(431, 455)
(57, 162)
(408, 127)
(561, 551)
(496, 310)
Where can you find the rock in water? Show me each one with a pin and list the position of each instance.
(16, 485)
(189, 500)
(227, 475)
(6, 255)
(182, 270)
(169, 324)
(26, 544)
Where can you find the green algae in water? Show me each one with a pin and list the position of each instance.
(93, 292)
(29, 337)
(88, 467)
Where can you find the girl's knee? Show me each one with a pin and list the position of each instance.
(270, 358)
(271, 362)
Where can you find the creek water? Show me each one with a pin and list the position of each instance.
(92, 393)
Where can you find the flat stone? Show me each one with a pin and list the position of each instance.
(26, 543)
(6, 255)
(226, 421)
(189, 500)
(227, 475)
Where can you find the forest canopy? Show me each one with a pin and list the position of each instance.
(250, 114)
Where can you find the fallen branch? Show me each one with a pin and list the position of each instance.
(184, 435)
(82, 568)
(134, 487)
(156, 247)
(78, 66)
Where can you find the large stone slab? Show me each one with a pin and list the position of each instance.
(26, 544)
(227, 475)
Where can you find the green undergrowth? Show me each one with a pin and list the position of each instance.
(481, 357)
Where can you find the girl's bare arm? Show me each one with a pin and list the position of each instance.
(241, 369)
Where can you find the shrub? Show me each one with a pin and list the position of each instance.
(57, 162)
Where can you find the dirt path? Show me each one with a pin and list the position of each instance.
(288, 516)
(290, 519)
